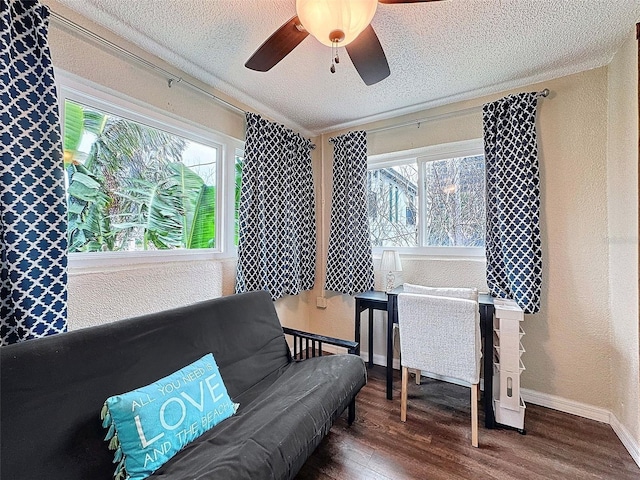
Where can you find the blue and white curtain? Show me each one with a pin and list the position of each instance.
(33, 229)
(349, 259)
(277, 244)
(514, 254)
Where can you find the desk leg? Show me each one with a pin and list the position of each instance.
(391, 318)
(486, 325)
(370, 337)
(356, 336)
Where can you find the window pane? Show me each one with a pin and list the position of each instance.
(393, 206)
(239, 159)
(134, 187)
(454, 202)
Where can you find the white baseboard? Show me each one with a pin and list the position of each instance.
(333, 349)
(630, 443)
(564, 405)
(380, 360)
(377, 358)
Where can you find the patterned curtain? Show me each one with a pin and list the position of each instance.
(33, 229)
(349, 262)
(277, 244)
(514, 256)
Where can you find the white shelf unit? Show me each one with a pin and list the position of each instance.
(507, 363)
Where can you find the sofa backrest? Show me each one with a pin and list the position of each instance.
(52, 389)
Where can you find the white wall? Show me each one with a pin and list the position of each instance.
(622, 188)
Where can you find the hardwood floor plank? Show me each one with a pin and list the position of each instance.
(435, 442)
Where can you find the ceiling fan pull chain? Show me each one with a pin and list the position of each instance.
(334, 56)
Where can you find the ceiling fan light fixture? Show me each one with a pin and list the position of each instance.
(336, 21)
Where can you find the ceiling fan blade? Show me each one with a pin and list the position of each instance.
(277, 46)
(407, 1)
(368, 57)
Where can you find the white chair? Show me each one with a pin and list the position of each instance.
(440, 334)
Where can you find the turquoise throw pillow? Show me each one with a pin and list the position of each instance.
(149, 425)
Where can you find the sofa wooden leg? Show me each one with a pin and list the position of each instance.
(352, 411)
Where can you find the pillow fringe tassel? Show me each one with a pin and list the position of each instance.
(120, 472)
(118, 455)
(114, 444)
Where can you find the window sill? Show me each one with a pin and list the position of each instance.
(113, 261)
(475, 253)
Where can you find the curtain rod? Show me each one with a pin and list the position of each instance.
(172, 77)
(542, 93)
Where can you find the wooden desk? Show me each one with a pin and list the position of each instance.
(376, 300)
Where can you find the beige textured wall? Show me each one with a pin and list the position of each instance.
(568, 342)
(116, 293)
(568, 350)
(622, 188)
(105, 295)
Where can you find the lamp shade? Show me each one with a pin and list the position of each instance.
(390, 261)
(323, 18)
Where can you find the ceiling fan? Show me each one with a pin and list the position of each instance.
(334, 23)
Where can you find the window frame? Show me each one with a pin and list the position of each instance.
(421, 155)
(83, 91)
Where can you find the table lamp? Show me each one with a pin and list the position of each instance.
(390, 263)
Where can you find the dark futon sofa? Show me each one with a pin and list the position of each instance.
(52, 390)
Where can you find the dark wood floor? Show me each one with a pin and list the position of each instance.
(435, 443)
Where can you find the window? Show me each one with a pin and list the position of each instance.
(428, 199)
(139, 180)
(454, 202)
(392, 194)
(135, 187)
(237, 185)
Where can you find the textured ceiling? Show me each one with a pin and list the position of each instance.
(438, 52)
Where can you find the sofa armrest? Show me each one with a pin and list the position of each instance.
(305, 343)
